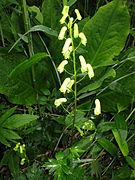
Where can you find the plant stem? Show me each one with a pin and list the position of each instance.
(27, 28)
(2, 37)
(75, 73)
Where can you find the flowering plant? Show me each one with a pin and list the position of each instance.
(69, 53)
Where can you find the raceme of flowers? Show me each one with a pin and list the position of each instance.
(67, 49)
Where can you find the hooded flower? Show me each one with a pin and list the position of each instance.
(97, 109)
(83, 38)
(76, 31)
(79, 17)
(69, 86)
(63, 87)
(61, 66)
(62, 33)
(65, 14)
(83, 64)
(90, 71)
(66, 48)
(59, 101)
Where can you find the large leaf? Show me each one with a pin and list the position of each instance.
(27, 64)
(106, 33)
(123, 146)
(121, 126)
(6, 115)
(51, 11)
(20, 89)
(97, 83)
(18, 120)
(108, 146)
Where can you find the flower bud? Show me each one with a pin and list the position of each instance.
(76, 31)
(79, 17)
(83, 38)
(65, 14)
(61, 66)
(90, 71)
(62, 33)
(59, 101)
(22, 161)
(83, 64)
(70, 22)
(97, 109)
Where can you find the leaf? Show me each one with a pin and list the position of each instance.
(36, 10)
(4, 141)
(51, 11)
(7, 114)
(9, 134)
(80, 119)
(71, 2)
(19, 120)
(106, 33)
(36, 28)
(20, 89)
(130, 161)
(105, 126)
(27, 64)
(121, 127)
(123, 146)
(108, 146)
(96, 84)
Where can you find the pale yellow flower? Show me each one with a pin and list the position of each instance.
(76, 31)
(62, 33)
(97, 109)
(90, 71)
(59, 101)
(65, 14)
(66, 46)
(83, 38)
(69, 86)
(79, 17)
(83, 64)
(22, 161)
(65, 10)
(63, 87)
(61, 66)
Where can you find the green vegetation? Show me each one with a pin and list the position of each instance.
(67, 89)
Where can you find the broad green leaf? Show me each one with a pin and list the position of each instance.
(3, 140)
(20, 90)
(108, 146)
(121, 127)
(80, 119)
(27, 64)
(51, 11)
(97, 83)
(130, 161)
(123, 146)
(105, 126)
(19, 120)
(9, 134)
(106, 33)
(6, 115)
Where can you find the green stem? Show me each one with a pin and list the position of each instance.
(2, 37)
(27, 28)
(75, 73)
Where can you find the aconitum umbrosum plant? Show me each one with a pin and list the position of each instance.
(69, 32)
